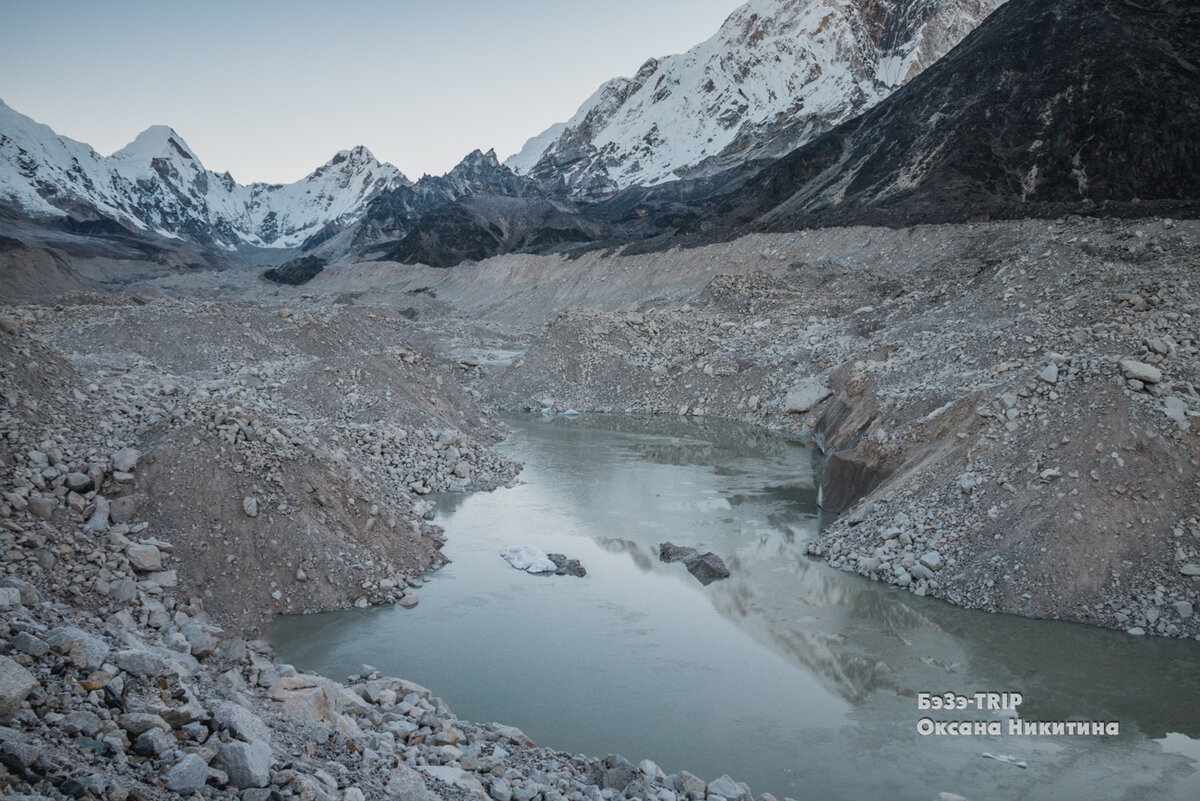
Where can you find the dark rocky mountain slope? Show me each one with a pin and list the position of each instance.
(1050, 106)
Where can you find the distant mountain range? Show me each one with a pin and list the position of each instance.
(797, 113)
(156, 184)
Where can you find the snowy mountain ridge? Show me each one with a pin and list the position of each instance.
(777, 74)
(157, 184)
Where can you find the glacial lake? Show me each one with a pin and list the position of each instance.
(796, 678)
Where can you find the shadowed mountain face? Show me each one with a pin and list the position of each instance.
(1050, 106)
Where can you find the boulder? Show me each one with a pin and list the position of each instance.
(405, 784)
(144, 557)
(126, 459)
(806, 394)
(1140, 371)
(246, 764)
(241, 722)
(188, 775)
(707, 566)
(16, 683)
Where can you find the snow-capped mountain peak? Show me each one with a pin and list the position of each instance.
(157, 183)
(157, 141)
(776, 74)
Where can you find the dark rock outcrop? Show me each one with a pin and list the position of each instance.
(297, 271)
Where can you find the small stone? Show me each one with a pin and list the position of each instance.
(153, 742)
(707, 566)
(10, 598)
(920, 572)
(81, 722)
(126, 459)
(42, 507)
(806, 394)
(140, 662)
(250, 506)
(188, 775)
(123, 591)
(137, 723)
(247, 764)
(78, 482)
(1190, 569)
(144, 557)
(1183, 609)
(932, 560)
(727, 788)
(691, 786)
(1049, 374)
(16, 683)
(26, 643)
(98, 520)
(1140, 371)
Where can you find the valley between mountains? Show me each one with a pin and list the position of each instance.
(948, 242)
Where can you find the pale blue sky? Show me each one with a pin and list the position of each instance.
(270, 90)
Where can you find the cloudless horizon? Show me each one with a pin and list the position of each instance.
(270, 91)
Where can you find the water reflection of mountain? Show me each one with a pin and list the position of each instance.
(684, 440)
(754, 503)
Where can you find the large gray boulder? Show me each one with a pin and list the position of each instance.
(246, 764)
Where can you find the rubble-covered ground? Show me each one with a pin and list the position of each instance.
(1008, 411)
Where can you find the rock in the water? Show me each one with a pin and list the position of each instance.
(670, 552)
(707, 566)
(529, 559)
(16, 683)
(806, 394)
(247, 764)
(188, 775)
(567, 567)
(704, 566)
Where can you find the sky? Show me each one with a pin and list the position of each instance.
(271, 89)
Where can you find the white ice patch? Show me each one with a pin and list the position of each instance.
(529, 559)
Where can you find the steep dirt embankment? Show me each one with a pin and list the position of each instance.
(1009, 411)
